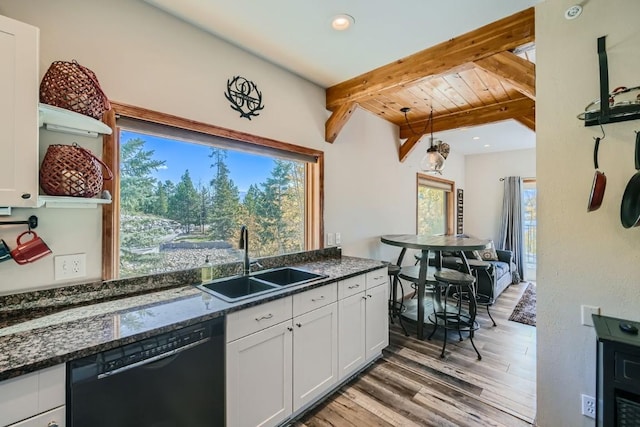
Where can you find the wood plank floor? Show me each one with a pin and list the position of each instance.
(412, 386)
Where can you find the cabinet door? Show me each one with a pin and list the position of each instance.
(377, 316)
(351, 334)
(18, 113)
(259, 371)
(315, 354)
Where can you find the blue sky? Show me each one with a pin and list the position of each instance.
(245, 169)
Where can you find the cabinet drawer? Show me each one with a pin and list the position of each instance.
(54, 418)
(244, 322)
(377, 278)
(351, 286)
(31, 394)
(314, 298)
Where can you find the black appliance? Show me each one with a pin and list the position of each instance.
(617, 372)
(174, 379)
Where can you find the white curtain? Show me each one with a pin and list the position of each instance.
(511, 233)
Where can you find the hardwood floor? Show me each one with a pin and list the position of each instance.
(412, 386)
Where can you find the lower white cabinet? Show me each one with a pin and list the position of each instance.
(363, 326)
(259, 377)
(377, 325)
(32, 394)
(322, 336)
(315, 354)
(351, 334)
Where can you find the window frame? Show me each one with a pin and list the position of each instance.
(449, 188)
(314, 200)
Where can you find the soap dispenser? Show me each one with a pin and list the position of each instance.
(206, 271)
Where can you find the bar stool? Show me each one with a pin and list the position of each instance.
(461, 286)
(395, 307)
(482, 267)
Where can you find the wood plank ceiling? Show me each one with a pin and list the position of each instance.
(470, 80)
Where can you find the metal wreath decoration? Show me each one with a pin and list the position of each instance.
(244, 96)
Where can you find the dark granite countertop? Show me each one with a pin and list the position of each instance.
(46, 339)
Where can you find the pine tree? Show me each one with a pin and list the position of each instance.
(137, 184)
(225, 212)
(184, 203)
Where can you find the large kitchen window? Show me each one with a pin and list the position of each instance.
(434, 205)
(183, 193)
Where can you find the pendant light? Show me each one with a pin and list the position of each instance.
(433, 160)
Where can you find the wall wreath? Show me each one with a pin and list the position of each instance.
(244, 97)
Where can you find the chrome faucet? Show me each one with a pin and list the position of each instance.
(244, 244)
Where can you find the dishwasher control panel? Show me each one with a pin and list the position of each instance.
(159, 345)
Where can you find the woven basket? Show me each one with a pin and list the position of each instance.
(73, 87)
(70, 170)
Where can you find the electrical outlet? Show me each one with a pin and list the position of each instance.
(338, 239)
(586, 312)
(70, 266)
(331, 239)
(588, 406)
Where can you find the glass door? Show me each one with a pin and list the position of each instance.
(529, 228)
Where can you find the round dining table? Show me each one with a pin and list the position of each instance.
(437, 244)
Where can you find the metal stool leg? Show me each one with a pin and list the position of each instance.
(399, 312)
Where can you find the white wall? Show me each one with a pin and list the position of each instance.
(484, 190)
(583, 258)
(147, 58)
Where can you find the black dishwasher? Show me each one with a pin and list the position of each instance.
(174, 379)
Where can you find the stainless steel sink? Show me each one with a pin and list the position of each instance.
(236, 288)
(286, 276)
(233, 289)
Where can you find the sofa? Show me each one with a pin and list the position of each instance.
(491, 281)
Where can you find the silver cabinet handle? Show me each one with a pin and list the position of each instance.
(318, 299)
(368, 296)
(299, 325)
(53, 424)
(27, 196)
(354, 286)
(268, 316)
(364, 298)
(378, 277)
(289, 328)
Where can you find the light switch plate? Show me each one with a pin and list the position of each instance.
(331, 239)
(338, 239)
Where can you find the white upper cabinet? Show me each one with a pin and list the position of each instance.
(18, 113)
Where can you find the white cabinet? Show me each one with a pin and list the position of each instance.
(315, 354)
(377, 324)
(273, 370)
(351, 334)
(33, 394)
(363, 326)
(259, 377)
(18, 113)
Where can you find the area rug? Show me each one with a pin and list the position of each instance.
(525, 311)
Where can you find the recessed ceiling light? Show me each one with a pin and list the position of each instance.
(573, 12)
(487, 145)
(476, 138)
(342, 22)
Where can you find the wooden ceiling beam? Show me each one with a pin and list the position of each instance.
(476, 116)
(338, 119)
(518, 72)
(408, 146)
(529, 120)
(505, 34)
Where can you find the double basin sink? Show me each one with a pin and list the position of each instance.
(239, 287)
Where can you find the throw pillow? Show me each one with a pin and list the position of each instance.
(489, 254)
